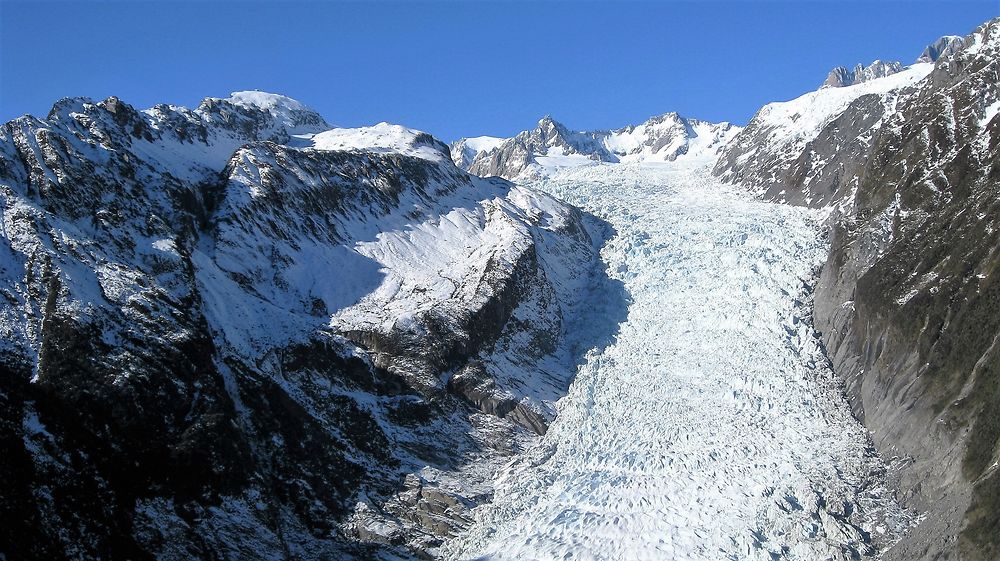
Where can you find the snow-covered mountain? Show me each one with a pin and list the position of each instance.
(809, 140)
(235, 331)
(551, 145)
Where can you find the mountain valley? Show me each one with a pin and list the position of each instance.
(240, 332)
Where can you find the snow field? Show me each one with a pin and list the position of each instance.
(713, 427)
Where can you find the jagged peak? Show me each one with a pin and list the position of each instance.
(943, 47)
(548, 129)
(670, 116)
(985, 38)
(109, 110)
(842, 76)
(67, 105)
(548, 122)
(118, 108)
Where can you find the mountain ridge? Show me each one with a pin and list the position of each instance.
(551, 145)
(223, 337)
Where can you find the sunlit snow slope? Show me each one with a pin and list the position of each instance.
(713, 428)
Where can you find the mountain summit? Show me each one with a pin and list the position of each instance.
(943, 47)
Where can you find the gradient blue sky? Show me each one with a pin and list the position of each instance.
(460, 69)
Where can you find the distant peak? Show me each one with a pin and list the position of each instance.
(266, 100)
(664, 117)
(842, 76)
(943, 47)
(65, 106)
(548, 121)
(295, 116)
(383, 138)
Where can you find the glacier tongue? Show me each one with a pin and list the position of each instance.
(713, 428)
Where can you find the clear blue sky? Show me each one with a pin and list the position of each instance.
(460, 69)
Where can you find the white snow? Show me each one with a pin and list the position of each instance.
(465, 150)
(432, 261)
(283, 108)
(793, 123)
(988, 113)
(166, 246)
(483, 143)
(713, 427)
(256, 99)
(380, 138)
(555, 158)
(666, 138)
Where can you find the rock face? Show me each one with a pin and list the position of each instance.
(465, 150)
(907, 300)
(841, 76)
(534, 153)
(231, 332)
(943, 47)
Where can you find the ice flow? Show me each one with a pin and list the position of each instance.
(713, 428)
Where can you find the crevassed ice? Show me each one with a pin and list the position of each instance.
(713, 427)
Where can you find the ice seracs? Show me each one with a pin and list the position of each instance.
(713, 428)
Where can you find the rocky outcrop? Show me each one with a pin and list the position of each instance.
(228, 332)
(842, 76)
(943, 47)
(907, 299)
(465, 150)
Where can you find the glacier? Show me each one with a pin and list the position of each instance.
(713, 427)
